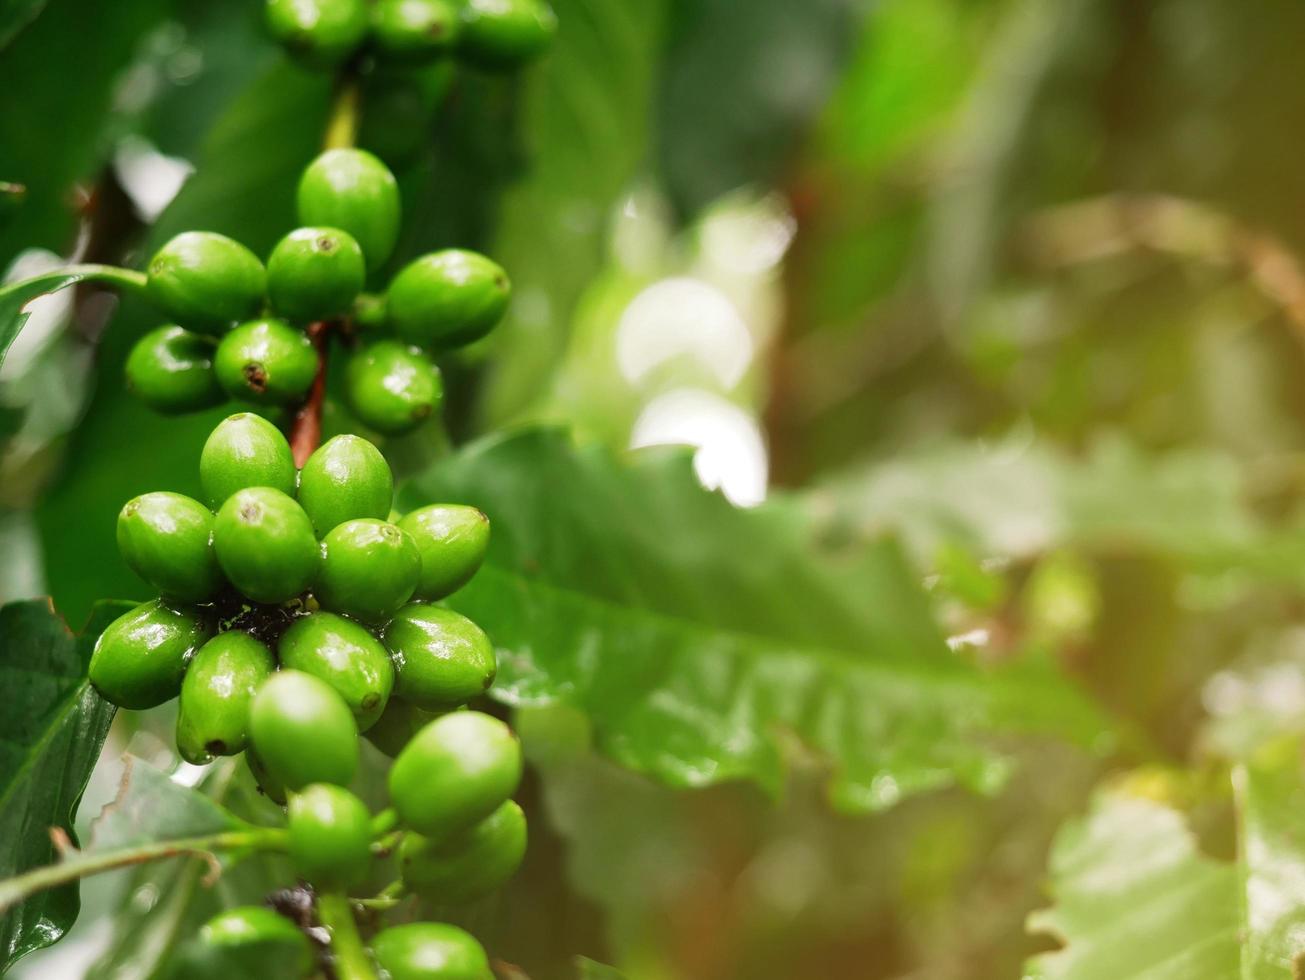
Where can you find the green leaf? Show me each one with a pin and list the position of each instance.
(587, 969)
(15, 15)
(50, 739)
(1135, 897)
(14, 297)
(150, 807)
(696, 635)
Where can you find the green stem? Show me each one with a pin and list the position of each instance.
(387, 842)
(350, 957)
(388, 897)
(342, 124)
(384, 822)
(81, 865)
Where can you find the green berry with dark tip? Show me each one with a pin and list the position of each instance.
(315, 274)
(320, 33)
(442, 659)
(219, 687)
(254, 941)
(265, 544)
(139, 660)
(167, 539)
(171, 370)
(396, 725)
(266, 362)
(455, 772)
(391, 387)
(303, 732)
(330, 836)
(204, 279)
(268, 785)
(245, 450)
(505, 34)
(430, 951)
(369, 569)
(452, 539)
(412, 31)
(345, 655)
(470, 864)
(352, 190)
(346, 478)
(447, 299)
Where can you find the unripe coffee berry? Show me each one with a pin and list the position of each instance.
(320, 33)
(468, 865)
(392, 387)
(314, 274)
(139, 660)
(245, 450)
(397, 724)
(258, 942)
(346, 478)
(354, 191)
(447, 299)
(205, 279)
(504, 34)
(303, 732)
(171, 370)
(412, 31)
(265, 544)
(167, 539)
(430, 951)
(369, 570)
(330, 836)
(442, 658)
(452, 539)
(219, 687)
(344, 655)
(266, 362)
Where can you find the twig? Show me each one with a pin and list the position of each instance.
(306, 432)
(349, 958)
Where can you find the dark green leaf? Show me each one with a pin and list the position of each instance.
(50, 739)
(15, 15)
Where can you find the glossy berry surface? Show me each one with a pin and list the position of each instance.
(216, 694)
(455, 772)
(345, 655)
(442, 658)
(314, 274)
(392, 387)
(430, 951)
(452, 539)
(412, 31)
(265, 544)
(330, 836)
(171, 370)
(167, 539)
(139, 660)
(504, 34)
(468, 865)
(369, 569)
(354, 191)
(345, 479)
(447, 299)
(206, 280)
(258, 941)
(266, 362)
(245, 450)
(303, 732)
(320, 33)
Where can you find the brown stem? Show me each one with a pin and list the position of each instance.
(306, 432)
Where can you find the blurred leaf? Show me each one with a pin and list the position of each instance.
(150, 806)
(695, 634)
(15, 15)
(50, 738)
(587, 969)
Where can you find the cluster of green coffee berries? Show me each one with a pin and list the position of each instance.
(240, 329)
(492, 34)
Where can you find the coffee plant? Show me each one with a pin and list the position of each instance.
(579, 489)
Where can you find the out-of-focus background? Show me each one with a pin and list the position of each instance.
(1015, 282)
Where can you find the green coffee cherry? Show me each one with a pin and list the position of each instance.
(303, 732)
(412, 31)
(346, 656)
(171, 370)
(257, 942)
(314, 274)
(270, 786)
(392, 388)
(354, 191)
(455, 772)
(219, 687)
(167, 539)
(469, 865)
(139, 660)
(345, 479)
(205, 279)
(369, 569)
(452, 539)
(396, 726)
(447, 299)
(442, 658)
(430, 951)
(330, 836)
(267, 362)
(265, 544)
(245, 451)
(320, 33)
(505, 34)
